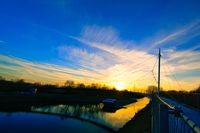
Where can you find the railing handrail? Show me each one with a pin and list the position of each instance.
(165, 103)
(188, 121)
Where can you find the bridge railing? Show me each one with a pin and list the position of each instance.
(169, 119)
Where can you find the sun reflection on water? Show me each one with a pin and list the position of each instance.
(95, 113)
(122, 116)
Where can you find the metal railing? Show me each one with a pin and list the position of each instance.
(169, 119)
(190, 123)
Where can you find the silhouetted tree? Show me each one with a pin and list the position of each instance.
(81, 85)
(69, 83)
(20, 81)
(1, 78)
(152, 89)
(197, 90)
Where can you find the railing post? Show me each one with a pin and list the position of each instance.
(163, 119)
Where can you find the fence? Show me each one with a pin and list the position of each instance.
(169, 119)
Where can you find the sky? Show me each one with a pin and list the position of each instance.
(112, 42)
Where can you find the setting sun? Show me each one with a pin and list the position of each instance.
(120, 86)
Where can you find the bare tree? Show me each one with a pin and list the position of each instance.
(152, 89)
(69, 83)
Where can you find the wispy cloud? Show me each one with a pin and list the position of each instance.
(131, 63)
(1, 41)
(91, 60)
(182, 61)
(43, 72)
(134, 62)
(177, 37)
(110, 59)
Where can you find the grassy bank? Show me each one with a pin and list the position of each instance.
(141, 123)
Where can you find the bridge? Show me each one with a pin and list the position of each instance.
(168, 118)
(171, 117)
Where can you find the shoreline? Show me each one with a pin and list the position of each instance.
(140, 123)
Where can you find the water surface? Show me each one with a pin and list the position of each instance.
(68, 118)
(21, 122)
(95, 113)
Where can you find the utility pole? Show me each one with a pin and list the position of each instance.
(159, 55)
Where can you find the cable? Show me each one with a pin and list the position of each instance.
(166, 72)
(152, 71)
(173, 76)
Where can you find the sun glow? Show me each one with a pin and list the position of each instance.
(120, 86)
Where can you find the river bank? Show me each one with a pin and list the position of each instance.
(141, 123)
(13, 101)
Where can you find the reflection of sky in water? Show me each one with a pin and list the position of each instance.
(40, 123)
(94, 112)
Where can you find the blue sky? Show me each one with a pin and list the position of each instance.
(88, 40)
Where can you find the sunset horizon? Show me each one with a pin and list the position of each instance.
(100, 66)
(104, 45)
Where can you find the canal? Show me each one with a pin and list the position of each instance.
(76, 118)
